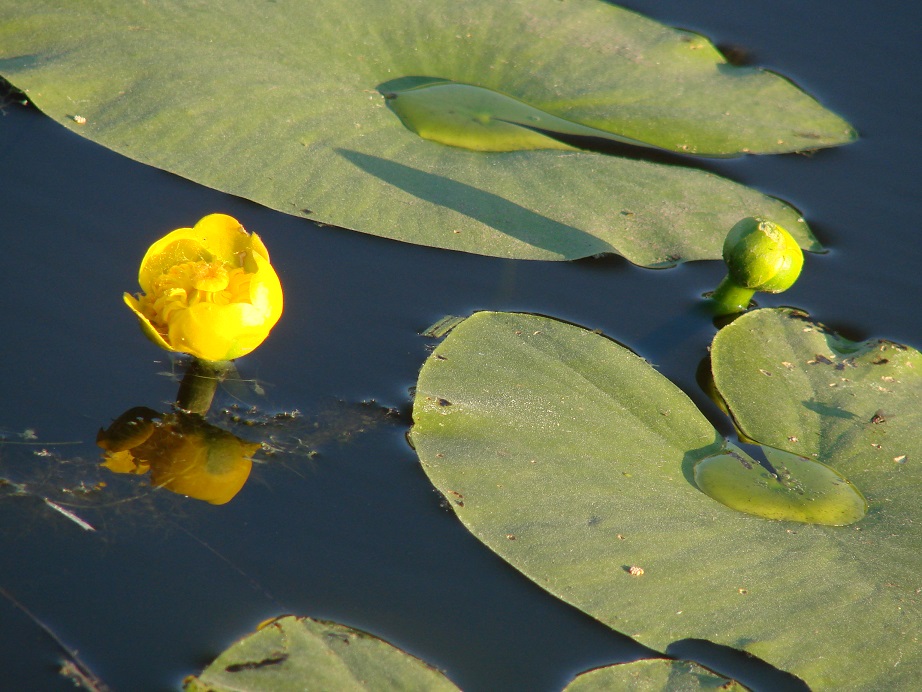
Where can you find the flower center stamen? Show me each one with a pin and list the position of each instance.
(190, 283)
(209, 276)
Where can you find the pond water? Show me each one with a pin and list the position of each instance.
(342, 523)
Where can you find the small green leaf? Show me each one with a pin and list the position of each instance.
(303, 654)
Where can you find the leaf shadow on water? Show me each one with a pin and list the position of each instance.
(490, 209)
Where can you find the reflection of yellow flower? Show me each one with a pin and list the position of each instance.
(208, 291)
(183, 454)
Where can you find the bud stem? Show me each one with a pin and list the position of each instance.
(731, 298)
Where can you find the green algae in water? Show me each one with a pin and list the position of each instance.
(798, 489)
(477, 118)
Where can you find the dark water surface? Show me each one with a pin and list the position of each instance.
(356, 533)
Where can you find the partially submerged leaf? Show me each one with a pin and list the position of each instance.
(472, 117)
(652, 675)
(573, 459)
(281, 103)
(303, 654)
(789, 487)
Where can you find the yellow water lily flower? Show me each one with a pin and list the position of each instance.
(208, 291)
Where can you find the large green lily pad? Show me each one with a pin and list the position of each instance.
(282, 103)
(573, 459)
(303, 654)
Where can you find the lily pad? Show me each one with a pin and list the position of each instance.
(857, 406)
(302, 654)
(573, 459)
(653, 675)
(283, 103)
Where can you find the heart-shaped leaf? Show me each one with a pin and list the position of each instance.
(282, 103)
(573, 459)
(791, 383)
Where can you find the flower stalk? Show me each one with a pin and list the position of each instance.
(199, 384)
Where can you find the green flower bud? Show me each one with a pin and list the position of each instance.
(760, 256)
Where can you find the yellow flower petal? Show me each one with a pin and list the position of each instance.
(224, 236)
(258, 246)
(174, 248)
(218, 332)
(149, 330)
(215, 237)
(266, 290)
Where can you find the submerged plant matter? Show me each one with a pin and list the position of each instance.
(653, 675)
(208, 291)
(760, 256)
